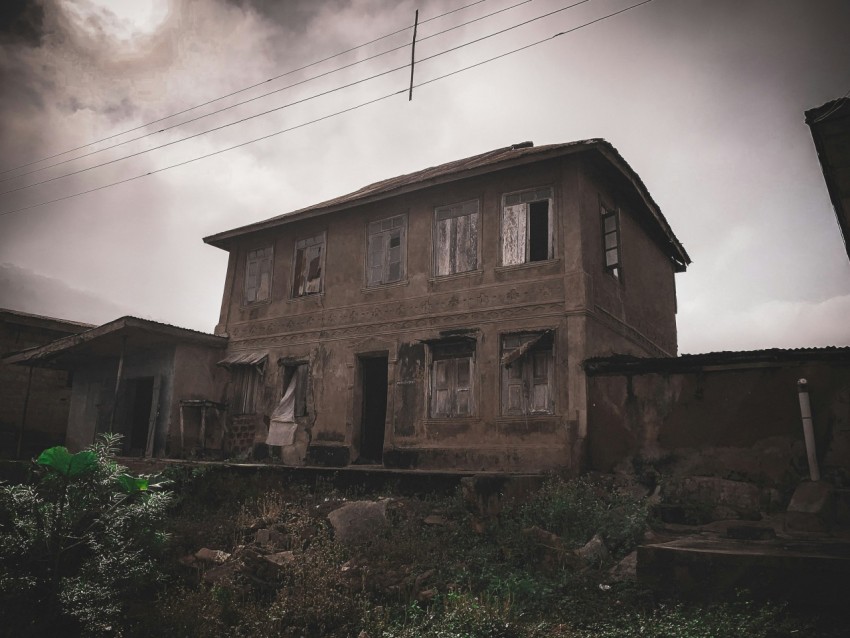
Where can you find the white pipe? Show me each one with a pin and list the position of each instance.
(808, 429)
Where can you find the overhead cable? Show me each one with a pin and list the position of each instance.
(242, 90)
(326, 117)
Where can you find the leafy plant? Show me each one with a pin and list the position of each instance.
(76, 542)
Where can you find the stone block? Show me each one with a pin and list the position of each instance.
(812, 508)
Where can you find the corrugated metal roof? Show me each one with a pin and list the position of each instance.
(625, 364)
(496, 159)
(256, 358)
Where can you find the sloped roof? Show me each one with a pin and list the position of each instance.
(628, 364)
(106, 340)
(17, 317)
(830, 126)
(509, 156)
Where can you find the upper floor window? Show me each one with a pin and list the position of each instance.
(258, 275)
(309, 264)
(611, 240)
(452, 367)
(527, 374)
(527, 224)
(385, 250)
(456, 238)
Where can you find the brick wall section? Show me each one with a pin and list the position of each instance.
(240, 434)
(49, 391)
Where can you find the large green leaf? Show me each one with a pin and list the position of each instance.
(71, 465)
(132, 484)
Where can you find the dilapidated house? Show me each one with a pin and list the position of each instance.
(155, 384)
(33, 402)
(440, 319)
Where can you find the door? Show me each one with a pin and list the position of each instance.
(373, 373)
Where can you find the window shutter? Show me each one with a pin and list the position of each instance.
(264, 267)
(441, 392)
(514, 230)
(514, 391)
(300, 379)
(375, 268)
(313, 259)
(443, 247)
(462, 386)
(466, 243)
(539, 370)
(395, 239)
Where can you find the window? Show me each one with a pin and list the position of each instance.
(294, 390)
(527, 227)
(258, 275)
(309, 260)
(246, 384)
(456, 238)
(385, 248)
(611, 241)
(451, 379)
(527, 374)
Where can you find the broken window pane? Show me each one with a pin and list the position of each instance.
(527, 227)
(308, 266)
(385, 248)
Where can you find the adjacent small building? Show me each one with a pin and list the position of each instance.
(156, 384)
(33, 402)
(440, 319)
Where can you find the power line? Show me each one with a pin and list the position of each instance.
(326, 117)
(243, 102)
(242, 90)
(284, 106)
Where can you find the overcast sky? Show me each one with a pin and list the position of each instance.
(704, 98)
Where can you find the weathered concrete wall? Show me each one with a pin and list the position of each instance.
(43, 393)
(349, 320)
(744, 419)
(196, 376)
(94, 391)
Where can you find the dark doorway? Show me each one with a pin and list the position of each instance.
(140, 415)
(373, 419)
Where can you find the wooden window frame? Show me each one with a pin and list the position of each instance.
(611, 241)
(381, 231)
(300, 276)
(469, 210)
(261, 261)
(452, 357)
(518, 205)
(521, 375)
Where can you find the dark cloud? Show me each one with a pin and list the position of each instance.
(22, 21)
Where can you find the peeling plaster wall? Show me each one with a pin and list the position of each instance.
(349, 320)
(731, 408)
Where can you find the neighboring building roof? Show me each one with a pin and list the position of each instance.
(509, 156)
(130, 333)
(830, 126)
(40, 321)
(627, 364)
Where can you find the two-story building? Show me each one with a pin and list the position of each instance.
(439, 319)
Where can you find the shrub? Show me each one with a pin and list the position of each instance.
(76, 541)
(576, 510)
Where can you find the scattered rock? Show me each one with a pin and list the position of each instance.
(281, 559)
(358, 522)
(269, 537)
(426, 595)
(215, 556)
(222, 573)
(541, 536)
(435, 519)
(188, 561)
(626, 569)
(594, 553)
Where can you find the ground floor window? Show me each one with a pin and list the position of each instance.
(246, 385)
(527, 373)
(452, 366)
